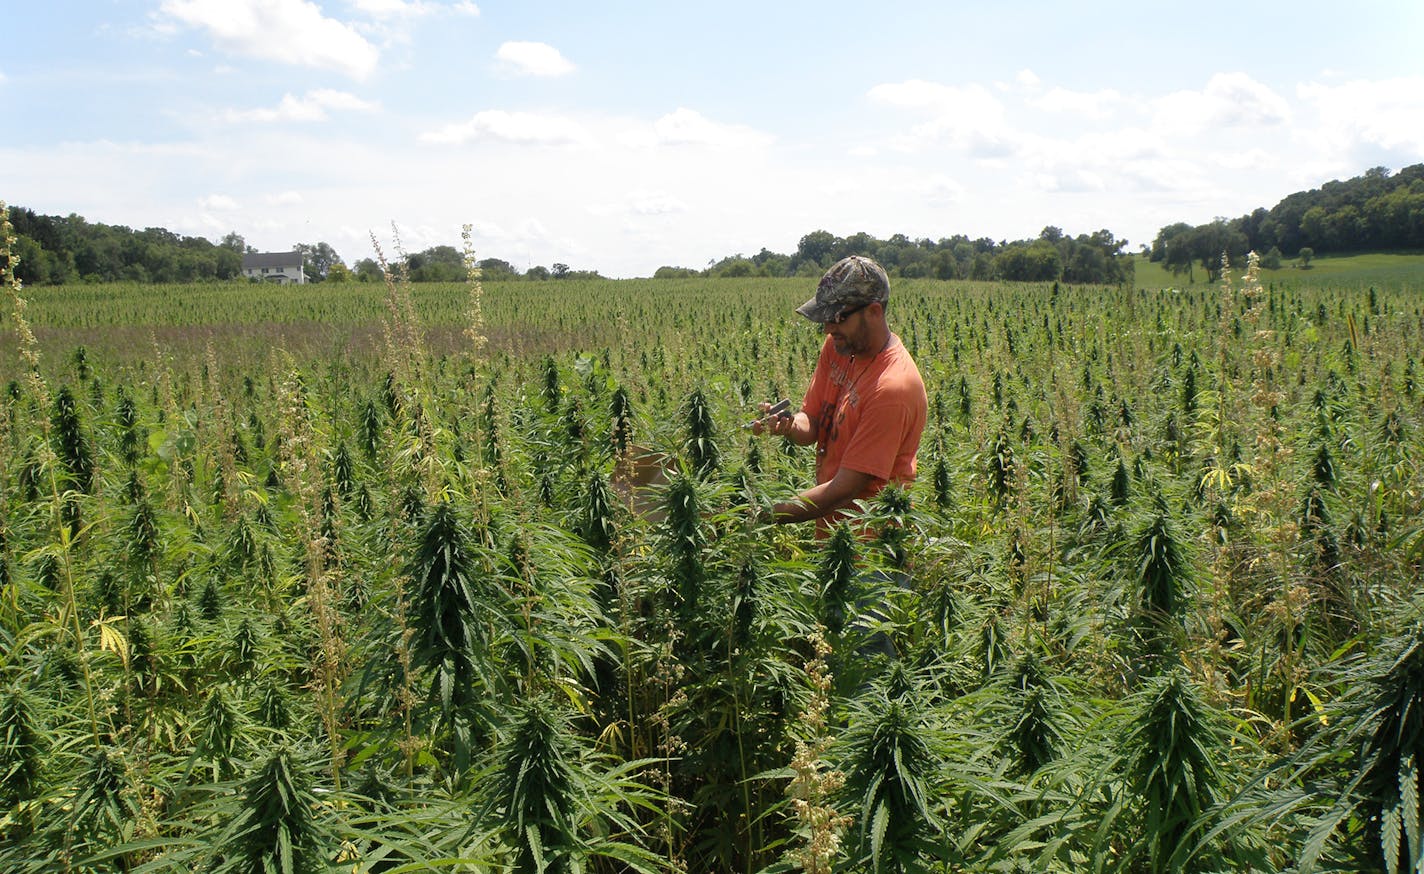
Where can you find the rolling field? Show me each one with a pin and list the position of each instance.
(1381, 269)
(344, 577)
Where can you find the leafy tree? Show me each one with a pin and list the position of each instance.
(55, 250)
(318, 259)
(1036, 262)
(816, 247)
(494, 268)
(1377, 210)
(674, 273)
(771, 264)
(233, 241)
(436, 264)
(1209, 243)
(735, 266)
(367, 270)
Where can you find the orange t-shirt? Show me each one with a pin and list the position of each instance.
(868, 414)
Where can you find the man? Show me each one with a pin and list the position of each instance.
(866, 406)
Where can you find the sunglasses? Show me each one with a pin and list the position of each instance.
(840, 317)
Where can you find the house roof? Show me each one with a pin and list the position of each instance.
(254, 260)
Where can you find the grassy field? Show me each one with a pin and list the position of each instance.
(1392, 270)
(346, 578)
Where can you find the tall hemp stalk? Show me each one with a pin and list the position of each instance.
(813, 785)
(48, 462)
(1272, 499)
(301, 468)
(406, 355)
(1223, 474)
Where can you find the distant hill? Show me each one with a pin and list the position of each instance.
(1383, 269)
(1376, 212)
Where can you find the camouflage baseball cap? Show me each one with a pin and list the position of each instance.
(850, 283)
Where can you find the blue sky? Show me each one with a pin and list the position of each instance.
(625, 136)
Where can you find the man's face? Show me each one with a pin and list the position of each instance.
(851, 335)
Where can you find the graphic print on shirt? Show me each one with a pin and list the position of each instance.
(833, 412)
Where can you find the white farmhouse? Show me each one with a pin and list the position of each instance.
(283, 268)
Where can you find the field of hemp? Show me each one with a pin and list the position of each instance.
(340, 578)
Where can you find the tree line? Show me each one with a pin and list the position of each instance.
(1376, 212)
(58, 250)
(447, 264)
(62, 250)
(1052, 256)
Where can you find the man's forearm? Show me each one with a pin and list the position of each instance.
(802, 431)
(823, 499)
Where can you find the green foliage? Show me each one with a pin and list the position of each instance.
(836, 577)
(596, 522)
(1035, 738)
(891, 769)
(65, 249)
(218, 734)
(449, 606)
(1377, 211)
(1390, 760)
(685, 537)
(276, 830)
(1162, 568)
(1172, 746)
(537, 787)
(552, 801)
(21, 748)
(104, 811)
(701, 444)
(71, 444)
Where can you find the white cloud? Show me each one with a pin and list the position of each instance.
(1388, 113)
(1087, 104)
(1027, 78)
(1098, 147)
(655, 203)
(642, 203)
(524, 128)
(968, 117)
(313, 106)
(532, 59)
(1247, 159)
(1229, 100)
(974, 99)
(289, 31)
(284, 198)
(944, 191)
(1127, 159)
(218, 203)
(391, 8)
(687, 127)
(407, 9)
(1072, 180)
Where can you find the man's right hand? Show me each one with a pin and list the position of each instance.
(781, 425)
